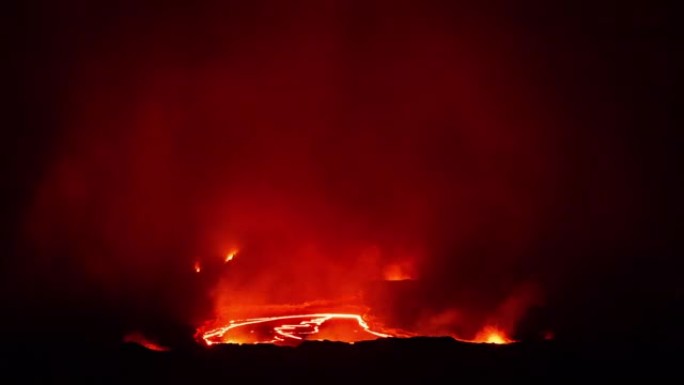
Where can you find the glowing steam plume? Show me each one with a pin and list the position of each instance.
(398, 272)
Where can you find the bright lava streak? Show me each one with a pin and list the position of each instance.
(230, 256)
(285, 329)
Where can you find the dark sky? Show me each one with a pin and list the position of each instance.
(497, 149)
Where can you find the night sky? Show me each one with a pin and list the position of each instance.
(518, 159)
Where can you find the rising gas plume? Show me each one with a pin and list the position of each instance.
(438, 169)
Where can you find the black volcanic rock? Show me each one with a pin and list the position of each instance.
(414, 360)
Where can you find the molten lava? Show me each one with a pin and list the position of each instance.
(492, 335)
(293, 329)
(230, 256)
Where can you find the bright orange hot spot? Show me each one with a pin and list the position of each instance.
(293, 329)
(230, 256)
(197, 267)
(492, 335)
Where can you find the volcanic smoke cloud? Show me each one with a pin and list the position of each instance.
(333, 146)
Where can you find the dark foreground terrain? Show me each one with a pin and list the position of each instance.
(416, 360)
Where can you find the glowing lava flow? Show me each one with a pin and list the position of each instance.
(492, 335)
(286, 329)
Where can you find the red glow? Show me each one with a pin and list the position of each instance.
(398, 272)
(492, 335)
(292, 329)
(328, 157)
(137, 338)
